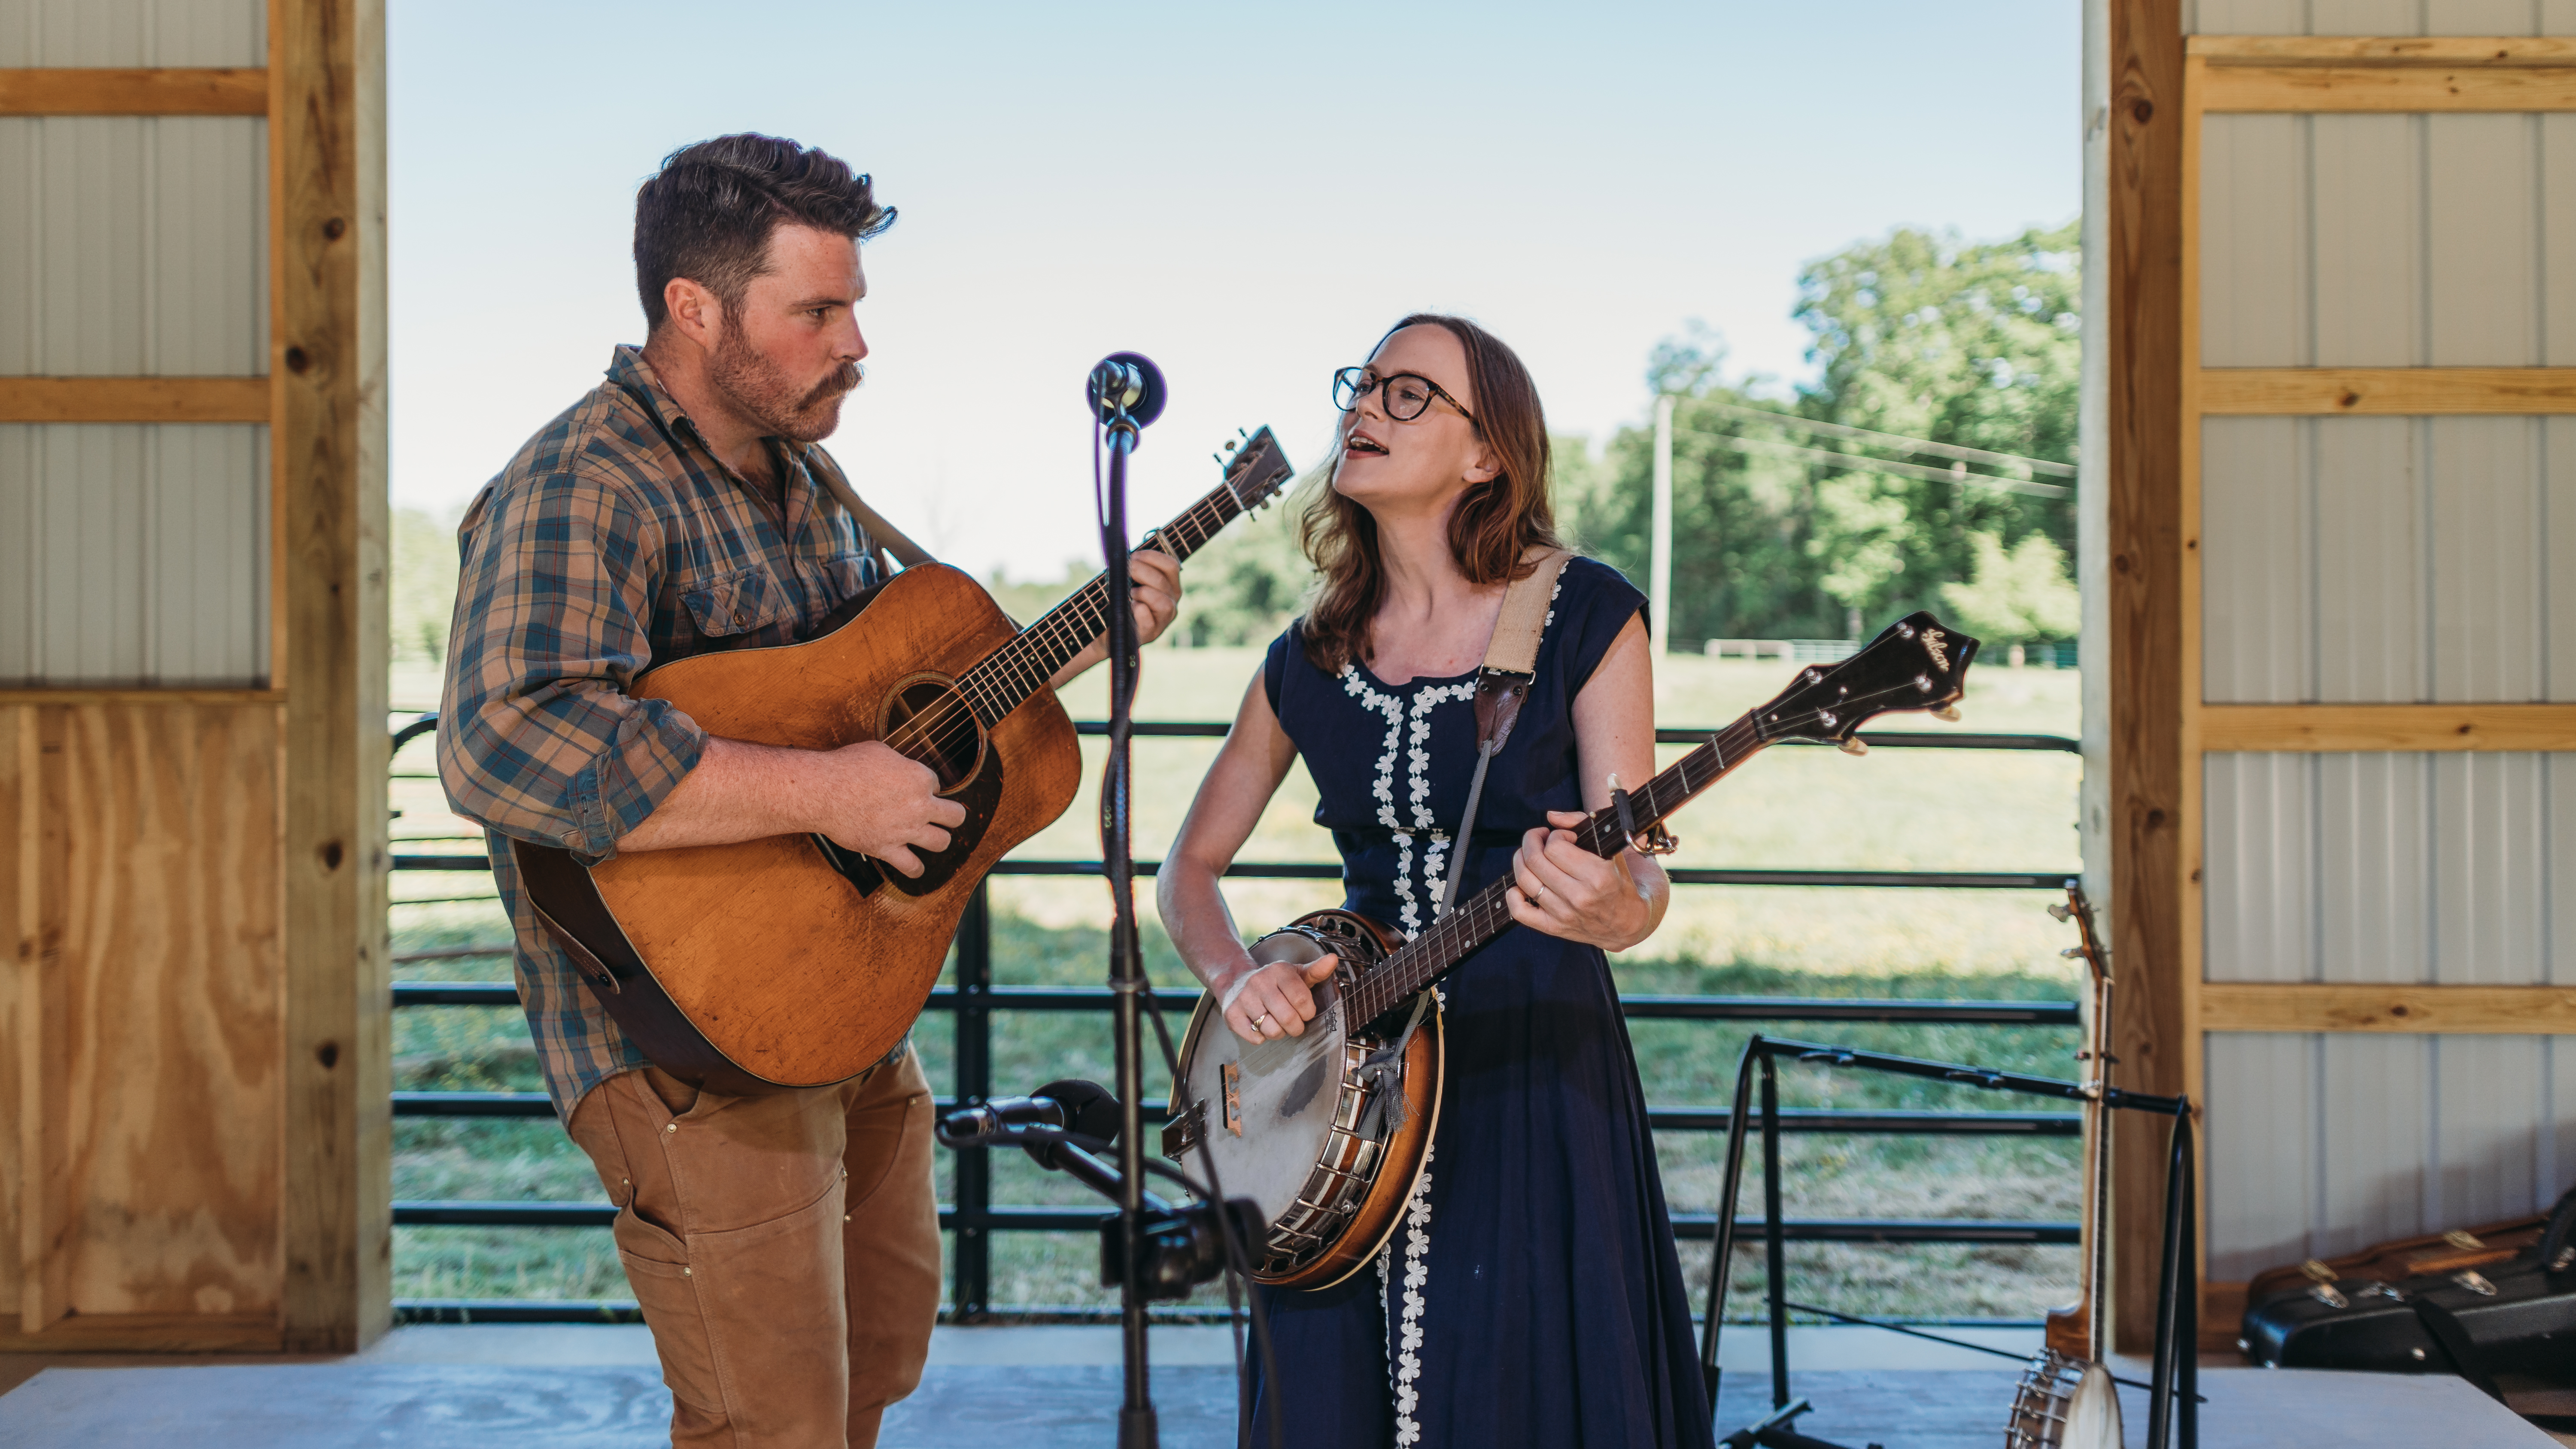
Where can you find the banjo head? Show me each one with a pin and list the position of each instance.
(1287, 1122)
(1268, 1108)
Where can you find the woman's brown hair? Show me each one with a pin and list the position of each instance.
(1495, 522)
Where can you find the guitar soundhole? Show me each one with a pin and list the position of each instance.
(928, 720)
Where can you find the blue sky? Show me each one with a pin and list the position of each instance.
(1247, 193)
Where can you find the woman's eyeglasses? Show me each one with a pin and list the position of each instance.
(1407, 396)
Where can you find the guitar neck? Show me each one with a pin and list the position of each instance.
(1483, 916)
(1010, 674)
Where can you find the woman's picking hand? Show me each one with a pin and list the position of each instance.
(1269, 1002)
(1567, 891)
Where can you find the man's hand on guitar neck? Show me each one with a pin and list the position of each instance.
(1155, 577)
(866, 797)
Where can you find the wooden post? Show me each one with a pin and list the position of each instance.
(1659, 596)
(2143, 358)
(326, 368)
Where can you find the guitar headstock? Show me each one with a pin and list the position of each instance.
(1916, 663)
(2080, 911)
(1255, 469)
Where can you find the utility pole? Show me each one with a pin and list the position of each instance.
(1659, 568)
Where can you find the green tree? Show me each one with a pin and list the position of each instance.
(421, 596)
(2021, 593)
(1974, 345)
(1918, 335)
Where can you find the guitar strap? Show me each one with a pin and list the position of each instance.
(880, 533)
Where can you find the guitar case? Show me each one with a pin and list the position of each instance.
(2497, 1300)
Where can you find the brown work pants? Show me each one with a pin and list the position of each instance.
(785, 1248)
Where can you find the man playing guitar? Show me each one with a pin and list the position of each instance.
(785, 1247)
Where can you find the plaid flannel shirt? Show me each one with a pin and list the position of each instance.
(613, 542)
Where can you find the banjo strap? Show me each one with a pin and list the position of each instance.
(1502, 682)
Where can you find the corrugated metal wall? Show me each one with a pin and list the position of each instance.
(133, 246)
(2387, 560)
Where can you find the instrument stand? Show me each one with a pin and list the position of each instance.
(2177, 1346)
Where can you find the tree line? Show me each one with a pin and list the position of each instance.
(1783, 531)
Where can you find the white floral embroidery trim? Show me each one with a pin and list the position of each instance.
(1408, 1355)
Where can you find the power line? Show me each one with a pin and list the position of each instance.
(1854, 463)
(1884, 440)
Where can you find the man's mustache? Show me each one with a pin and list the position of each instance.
(844, 379)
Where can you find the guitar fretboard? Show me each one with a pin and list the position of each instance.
(1010, 674)
(1483, 916)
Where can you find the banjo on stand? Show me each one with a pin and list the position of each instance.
(2067, 1399)
(1327, 1131)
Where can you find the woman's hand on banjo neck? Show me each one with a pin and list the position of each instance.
(1558, 886)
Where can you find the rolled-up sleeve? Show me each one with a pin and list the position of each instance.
(538, 737)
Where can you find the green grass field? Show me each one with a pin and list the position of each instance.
(1797, 807)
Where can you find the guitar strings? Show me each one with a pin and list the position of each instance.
(1057, 631)
(956, 715)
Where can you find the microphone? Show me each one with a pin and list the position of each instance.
(1083, 1108)
(1126, 382)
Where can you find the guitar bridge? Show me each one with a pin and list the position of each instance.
(1232, 1075)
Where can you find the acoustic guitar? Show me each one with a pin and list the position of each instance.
(789, 961)
(1300, 1124)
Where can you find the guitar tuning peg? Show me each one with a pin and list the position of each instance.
(1229, 446)
(1948, 712)
(2062, 911)
(1854, 746)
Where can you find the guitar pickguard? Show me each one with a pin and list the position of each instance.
(981, 796)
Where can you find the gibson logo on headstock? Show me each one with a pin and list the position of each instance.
(1934, 643)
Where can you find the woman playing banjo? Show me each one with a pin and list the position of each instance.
(1530, 1294)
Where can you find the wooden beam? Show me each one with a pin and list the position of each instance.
(325, 234)
(2341, 1006)
(2386, 391)
(134, 399)
(152, 1333)
(2371, 728)
(2344, 50)
(173, 698)
(106, 91)
(2143, 356)
(2322, 88)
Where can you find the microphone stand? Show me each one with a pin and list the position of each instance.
(1136, 1421)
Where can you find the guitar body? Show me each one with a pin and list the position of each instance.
(785, 962)
(790, 962)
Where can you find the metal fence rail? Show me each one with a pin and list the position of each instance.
(972, 1002)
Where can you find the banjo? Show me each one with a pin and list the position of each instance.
(2066, 1398)
(1327, 1131)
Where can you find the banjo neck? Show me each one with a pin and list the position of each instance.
(1916, 663)
(1481, 917)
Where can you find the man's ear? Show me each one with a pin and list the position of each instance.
(695, 312)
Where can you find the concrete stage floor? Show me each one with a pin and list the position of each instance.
(486, 1387)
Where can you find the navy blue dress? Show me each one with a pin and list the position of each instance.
(1532, 1296)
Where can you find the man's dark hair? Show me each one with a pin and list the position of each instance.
(708, 213)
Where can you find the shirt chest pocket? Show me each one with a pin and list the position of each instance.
(743, 602)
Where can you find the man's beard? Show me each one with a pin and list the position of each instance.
(769, 397)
